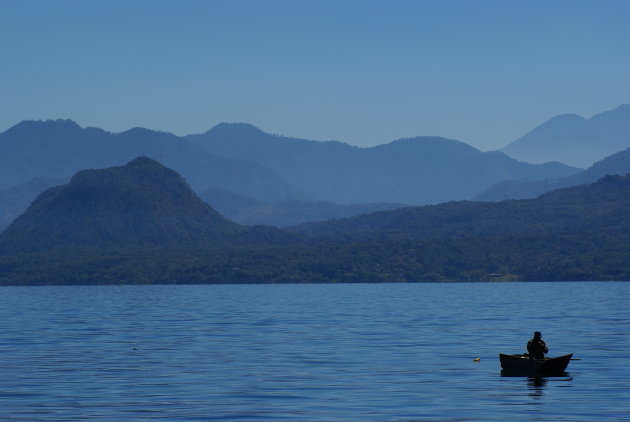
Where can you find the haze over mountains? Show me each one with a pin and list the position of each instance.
(618, 163)
(60, 148)
(279, 180)
(254, 177)
(15, 200)
(247, 211)
(416, 171)
(574, 140)
(586, 208)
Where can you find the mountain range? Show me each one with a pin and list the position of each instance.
(284, 180)
(415, 171)
(141, 223)
(253, 177)
(60, 148)
(574, 140)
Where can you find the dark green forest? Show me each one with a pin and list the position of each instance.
(566, 256)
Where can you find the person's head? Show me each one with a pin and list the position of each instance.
(537, 334)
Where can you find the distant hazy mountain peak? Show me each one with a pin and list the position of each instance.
(235, 129)
(429, 142)
(561, 122)
(567, 117)
(138, 132)
(56, 125)
(575, 140)
(424, 140)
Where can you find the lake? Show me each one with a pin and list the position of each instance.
(349, 352)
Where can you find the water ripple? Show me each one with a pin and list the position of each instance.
(309, 352)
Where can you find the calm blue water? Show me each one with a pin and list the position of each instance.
(399, 352)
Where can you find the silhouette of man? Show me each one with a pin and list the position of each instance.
(536, 347)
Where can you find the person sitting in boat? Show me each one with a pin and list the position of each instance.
(536, 347)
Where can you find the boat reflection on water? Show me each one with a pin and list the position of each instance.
(537, 386)
(533, 375)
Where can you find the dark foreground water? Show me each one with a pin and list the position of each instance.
(399, 352)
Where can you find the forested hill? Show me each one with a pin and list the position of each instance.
(604, 204)
(140, 204)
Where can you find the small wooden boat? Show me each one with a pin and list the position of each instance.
(526, 366)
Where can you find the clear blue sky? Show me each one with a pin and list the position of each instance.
(363, 72)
